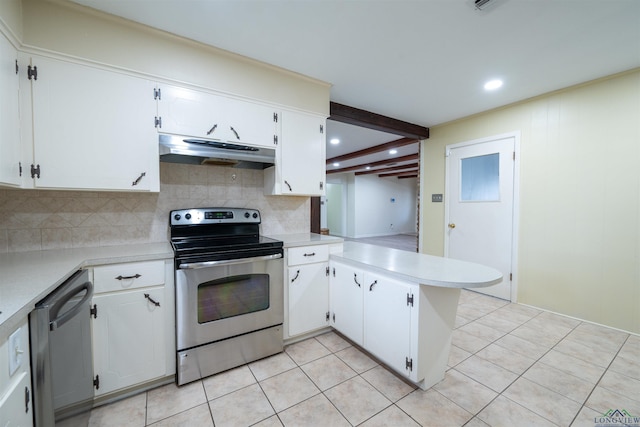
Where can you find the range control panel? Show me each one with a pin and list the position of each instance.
(195, 216)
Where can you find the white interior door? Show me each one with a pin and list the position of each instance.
(480, 207)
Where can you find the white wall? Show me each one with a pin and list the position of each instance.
(579, 237)
(369, 209)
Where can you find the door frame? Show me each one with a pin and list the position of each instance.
(516, 200)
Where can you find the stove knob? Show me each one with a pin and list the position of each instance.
(255, 215)
(188, 216)
(177, 217)
(246, 214)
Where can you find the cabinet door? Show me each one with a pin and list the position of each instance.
(302, 154)
(9, 115)
(129, 338)
(93, 129)
(387, 320)
(204, 115)
(345, 287)
(308, 297)
(16, 407)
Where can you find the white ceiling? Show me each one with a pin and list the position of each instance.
(420, 61)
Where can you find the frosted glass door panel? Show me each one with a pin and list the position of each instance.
(480, 178)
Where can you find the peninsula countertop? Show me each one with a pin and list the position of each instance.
(27, 277)
(418, 268)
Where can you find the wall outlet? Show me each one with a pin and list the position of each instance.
(436, 198)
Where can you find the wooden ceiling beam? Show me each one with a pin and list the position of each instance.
(372, 150)
(407, 158)
(366, 119)
(412, 166)
(405, 174)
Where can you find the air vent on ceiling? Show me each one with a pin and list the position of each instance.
(483, 5)
(480, 4)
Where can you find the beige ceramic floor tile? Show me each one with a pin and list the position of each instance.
(468, 296)
(241, 408)
(306, 351)
(602, 399)
(328, 371)
(430, 408)
(507, 413)
(457, 355)
(356, 359)
(486, 373)
(467, 341)
(333, 341)
(392, 416)
(227, 382)
(128, 412)
(597, 355)
(585, 418)
(521, 347)
(476, 422)
(505, 358)
(479, 330)
(626, 366)
(497, 321)
(559, 381)
(288, 389)
(316, 411)
(631, 348)
(465, 392)
(272, 421)
(621, 384)
(169, 400)
(557, 319)
(357, 400)
(602, 334)
(387, 383)
(270, 366)
(461, 321)
(199, 416)
(545, 337)
(574, 366)
(544, 402)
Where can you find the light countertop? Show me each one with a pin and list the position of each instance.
(419, 268)
(305, 239)
(27, 277)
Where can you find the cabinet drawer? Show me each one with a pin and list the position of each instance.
(132, 275)
(308, 254)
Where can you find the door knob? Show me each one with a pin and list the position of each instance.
(452, 225)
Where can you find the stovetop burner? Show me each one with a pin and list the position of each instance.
(219, 233)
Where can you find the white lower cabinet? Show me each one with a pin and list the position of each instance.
(346, 300)
(133, 328)
(388, 327)
(307, 289)
(16, 401)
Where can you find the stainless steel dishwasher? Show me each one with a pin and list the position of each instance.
(61, 357)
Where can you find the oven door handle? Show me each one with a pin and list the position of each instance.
(195, 265)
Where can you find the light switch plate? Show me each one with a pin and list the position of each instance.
(436, 198)
(15, 351)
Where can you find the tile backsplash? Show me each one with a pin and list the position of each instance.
(51, 219)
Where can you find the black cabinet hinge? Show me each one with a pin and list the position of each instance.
(157, 94)
(275, 117)
(410, 299)
(321, 129)
(158, 122)
(20, 168)
(327, 317)
(321, 185)
(510, 277)
(93, 311)
(327, 272)
(32, 72)
(35, 171)
(334, 272)
(409, 364)
(17, 68)
(275, 139)
(96, 382)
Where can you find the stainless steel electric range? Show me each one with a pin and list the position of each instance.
(229, 290)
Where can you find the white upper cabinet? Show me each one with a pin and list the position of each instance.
(200, 114)
(9, 115)
(300, 159)
(90, 128)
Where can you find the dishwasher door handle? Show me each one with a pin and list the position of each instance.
(58, 321)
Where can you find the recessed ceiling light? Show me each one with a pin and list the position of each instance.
(334, 141)
(336, 164)
(393, 151)
(368, 167)
(493, 84)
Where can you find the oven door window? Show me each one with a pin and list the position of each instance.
(232, 296)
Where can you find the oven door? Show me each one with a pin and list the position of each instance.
(222, 299)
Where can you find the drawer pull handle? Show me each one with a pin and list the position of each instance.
(213, 128)
(374, 283)
(311, 254)
(355, 279)
(157, 304)
(297, 274)
(135, 276)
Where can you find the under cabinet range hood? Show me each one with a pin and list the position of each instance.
(198, 151)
